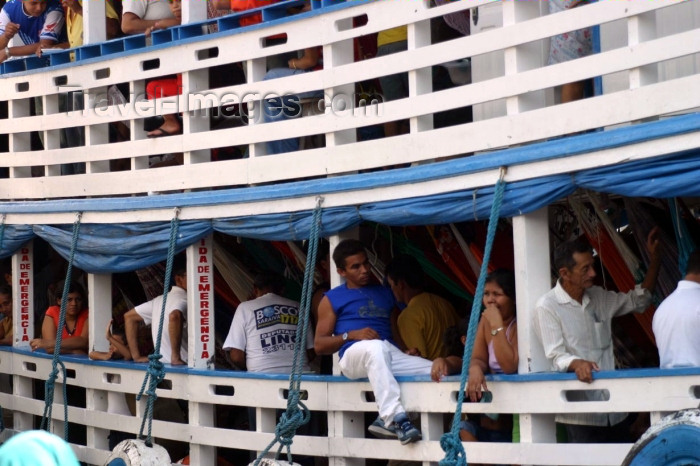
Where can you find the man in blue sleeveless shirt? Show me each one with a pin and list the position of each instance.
(356, 319)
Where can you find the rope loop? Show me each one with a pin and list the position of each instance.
(155, 373)
(454, 450)
(56, 362)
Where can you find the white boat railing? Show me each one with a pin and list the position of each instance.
(344, 403)
(647, 71)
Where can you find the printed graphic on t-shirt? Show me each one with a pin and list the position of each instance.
(278, 314)
(278, 340)
(372, 310)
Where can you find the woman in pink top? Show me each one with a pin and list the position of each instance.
(495, 351)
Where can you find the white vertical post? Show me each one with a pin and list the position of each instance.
(100, 305)
(342, 100)
(96, 134)
(532, 280)
(640, 29)
(420, 81)
(200, 304)
(23, 299)
(193, 12)
(23, 323)
(255, 71)
(195, 121)
(201, 415)
(523, 57)
(94, 21)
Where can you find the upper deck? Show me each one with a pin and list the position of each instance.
(638, 135)
(646, 70)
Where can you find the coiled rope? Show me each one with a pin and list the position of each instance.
(155, 372)
(450, 441)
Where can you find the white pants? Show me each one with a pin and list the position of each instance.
(380, 361)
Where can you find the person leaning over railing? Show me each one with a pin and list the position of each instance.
(495, 351)
(573, 321)
(35, 23)
(173, 346)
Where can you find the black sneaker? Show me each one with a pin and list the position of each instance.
(405, 431)
(379, 430)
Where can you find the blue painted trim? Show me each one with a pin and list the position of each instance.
(549, 150)
(177, 35)
(519, 378)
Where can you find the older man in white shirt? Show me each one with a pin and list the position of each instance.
(573, 322)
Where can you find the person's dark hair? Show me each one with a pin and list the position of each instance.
(452, 338)
(505, 279)
(6, 289)
(269, 282)
(693, 262)
(345, 249)
(563, 256)
(406, 268)
(74, 287)
(179, 265)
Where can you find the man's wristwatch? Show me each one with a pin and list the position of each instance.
(345, 336)
(495, 331)
(7, 52)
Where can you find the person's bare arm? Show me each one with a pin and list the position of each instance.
(132, 24)
(654, 249)
(238, 358)
(327, 343)
(221, 4)
(113, 29)
(77, 344)
(100, 355)
(48, 336)
(175, 334)
(309, 60)
(131, 328)
(445, 366)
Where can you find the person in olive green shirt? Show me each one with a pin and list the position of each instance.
(426, 316)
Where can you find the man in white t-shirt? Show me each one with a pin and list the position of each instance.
(264, 330)
(173, 346)
(141, 15)
(676, 322)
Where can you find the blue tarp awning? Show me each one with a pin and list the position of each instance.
(108, 248)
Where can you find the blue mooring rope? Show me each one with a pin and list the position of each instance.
(155, 372)
(297, 414)
(49, 388)
(450, 441)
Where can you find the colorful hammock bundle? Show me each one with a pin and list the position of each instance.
(233, 271)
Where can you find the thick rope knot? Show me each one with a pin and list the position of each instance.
(454, 450)
(155, 373)
(290, 422)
